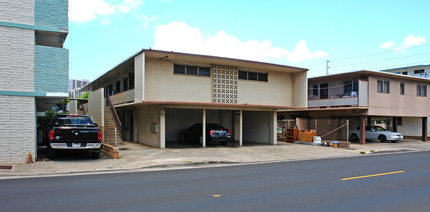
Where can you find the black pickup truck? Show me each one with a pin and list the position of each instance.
(74, 132)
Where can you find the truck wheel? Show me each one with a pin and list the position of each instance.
(382, 138)
(354, 137)
(95, 154)
(51, 153)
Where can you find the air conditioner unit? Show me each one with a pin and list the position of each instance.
(354, 93)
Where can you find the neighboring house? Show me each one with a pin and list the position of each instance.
(417, 71)
(34, 70)
(398, 102)
(158, 94)
(75, 87)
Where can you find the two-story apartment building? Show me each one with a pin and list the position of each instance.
(400, 102)
(33, 67)
(417, 71)
(158, 94)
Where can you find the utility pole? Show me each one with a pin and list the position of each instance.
(326, 67)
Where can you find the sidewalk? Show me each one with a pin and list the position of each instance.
(135, 157)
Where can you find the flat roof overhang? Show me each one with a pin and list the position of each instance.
(215, 106)
(179, 57)
(350, 111)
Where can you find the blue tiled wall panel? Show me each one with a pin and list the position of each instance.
(52, 13)
(52, 69)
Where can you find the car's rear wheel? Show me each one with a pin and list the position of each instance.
(354, 137)
(382, 138)
(95, 154)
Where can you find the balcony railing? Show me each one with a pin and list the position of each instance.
(333, 102)
(123, 97)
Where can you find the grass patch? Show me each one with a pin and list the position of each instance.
(372, 151)
(362, 153)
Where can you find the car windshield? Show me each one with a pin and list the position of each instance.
(73, 120)
(378, 128)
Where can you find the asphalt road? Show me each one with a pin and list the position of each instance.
(314, 185)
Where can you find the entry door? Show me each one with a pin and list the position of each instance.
(324, 91)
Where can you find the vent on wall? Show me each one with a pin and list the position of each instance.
(224, 84)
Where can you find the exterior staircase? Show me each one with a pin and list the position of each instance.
(109, 128)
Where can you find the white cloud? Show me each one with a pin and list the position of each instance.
(410, 41)
(387, 45)
(146, 20)
(82, 11)
(178, 36)
(301, 52)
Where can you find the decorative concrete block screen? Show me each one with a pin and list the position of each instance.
(224, 84)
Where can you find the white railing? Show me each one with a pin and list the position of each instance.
(346, 101)
(123, 97)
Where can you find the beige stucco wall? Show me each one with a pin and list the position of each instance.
(299, 90)
(276, 91)
(148, 114)
(394, 104)
(412, 126)
(161, 84)
(96, 106)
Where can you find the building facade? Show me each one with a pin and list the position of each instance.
(417, 71)
(398, 102)
(75, 87)
(34, 70)
(159, 94)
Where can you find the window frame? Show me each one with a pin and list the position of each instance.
(402, 88)
(385, 86)
(197, 73)
(422, 90)
(258, 76)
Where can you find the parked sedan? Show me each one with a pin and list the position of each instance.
(377, 133)
(215, 133)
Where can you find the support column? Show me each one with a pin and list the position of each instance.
(275, 128)
(395, 123)
(240, 128)
(204, 128)
(424, 129)
(162, 128)
(362, 130)
(369, 120)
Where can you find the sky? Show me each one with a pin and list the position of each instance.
(352, 35)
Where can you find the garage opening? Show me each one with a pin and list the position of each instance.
(182, 121)
(257, 127)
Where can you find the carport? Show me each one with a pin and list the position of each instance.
(247, 127)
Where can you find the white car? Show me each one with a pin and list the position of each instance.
(376, 133)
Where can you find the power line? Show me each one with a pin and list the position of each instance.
(381, 60)
(366, 55)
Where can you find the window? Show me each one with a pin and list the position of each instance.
(383, 86)
(252, 76)
(204, 71)
(179, 69)
(243, 75)
(192, 70)
(350, 86)
(128, 82)
(421, 90)
(402, 88)
(405, 73)
(248, 75)
(421, 71)
(118, 86)
(262, 77)
(315, 90)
